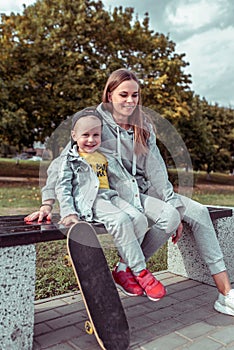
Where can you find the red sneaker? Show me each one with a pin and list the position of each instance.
(152, 287)
(126, 282)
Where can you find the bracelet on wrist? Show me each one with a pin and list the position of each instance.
(49, 205)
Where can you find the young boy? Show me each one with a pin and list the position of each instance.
(84, 193)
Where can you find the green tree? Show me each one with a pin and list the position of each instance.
(221, 120)
(57, 55)
(208, 135)
(49, 67)
(197, 134)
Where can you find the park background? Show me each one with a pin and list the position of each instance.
(55, 59)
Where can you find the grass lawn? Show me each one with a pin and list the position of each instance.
(24, 168)
(19, 195)
(54, 275)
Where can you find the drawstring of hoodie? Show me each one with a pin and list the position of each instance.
(134, 161)
(119, 152)
(118, 143)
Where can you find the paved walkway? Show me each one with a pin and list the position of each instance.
(184, 319)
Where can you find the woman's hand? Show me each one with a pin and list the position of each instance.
(69, 220)
(44, 212)
(178, 233)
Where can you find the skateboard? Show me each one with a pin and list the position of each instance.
(107, 318)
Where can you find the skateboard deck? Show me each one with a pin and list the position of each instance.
(105, 311)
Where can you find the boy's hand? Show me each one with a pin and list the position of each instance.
(69, 220)
(44, 212)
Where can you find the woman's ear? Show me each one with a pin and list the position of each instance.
(109, 97)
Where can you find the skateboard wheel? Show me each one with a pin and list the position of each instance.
(67, 260)
(88, 327)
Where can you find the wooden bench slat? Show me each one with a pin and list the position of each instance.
(218, 213)
(14, 231)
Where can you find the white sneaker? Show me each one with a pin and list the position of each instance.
(225, 303)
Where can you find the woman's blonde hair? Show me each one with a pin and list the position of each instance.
(137, 119)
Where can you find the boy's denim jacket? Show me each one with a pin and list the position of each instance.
(77, 185)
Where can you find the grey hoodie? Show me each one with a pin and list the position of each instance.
(149, 170)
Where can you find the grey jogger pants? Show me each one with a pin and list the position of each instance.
(197, 216)
(128, 227)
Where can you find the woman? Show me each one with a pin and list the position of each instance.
(129, 133)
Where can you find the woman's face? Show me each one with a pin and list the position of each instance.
(124, 99)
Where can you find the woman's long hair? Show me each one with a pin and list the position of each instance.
(137, 119)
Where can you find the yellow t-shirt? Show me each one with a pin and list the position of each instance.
(99, 164)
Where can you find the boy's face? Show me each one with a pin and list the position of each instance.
(87, 134)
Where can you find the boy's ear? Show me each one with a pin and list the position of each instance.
(73, 135)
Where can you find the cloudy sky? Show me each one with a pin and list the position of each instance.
(202, 29)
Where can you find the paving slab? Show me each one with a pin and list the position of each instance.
(184, 319)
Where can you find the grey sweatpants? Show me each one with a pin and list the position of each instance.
(128, 226)
(198, 217)
(136, 245)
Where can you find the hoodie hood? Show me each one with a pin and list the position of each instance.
(107, 116)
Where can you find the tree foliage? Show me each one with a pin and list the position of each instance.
(209, 135)
(57, 55)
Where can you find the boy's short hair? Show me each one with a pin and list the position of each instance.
(89, 111)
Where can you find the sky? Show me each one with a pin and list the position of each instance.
(202, 29)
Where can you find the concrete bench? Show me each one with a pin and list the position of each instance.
(17, 276)
(18, 266)
(184, 259)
